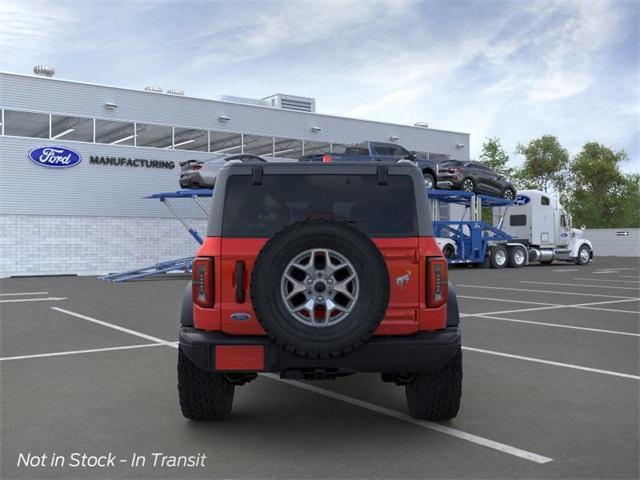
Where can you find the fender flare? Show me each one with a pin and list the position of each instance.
(580, 243)
(453, 313)
(186, 312)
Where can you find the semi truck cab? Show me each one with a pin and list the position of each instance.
(538, 221)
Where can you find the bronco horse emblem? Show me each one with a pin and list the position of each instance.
(402, 280)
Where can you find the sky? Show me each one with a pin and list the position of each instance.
(509, 69)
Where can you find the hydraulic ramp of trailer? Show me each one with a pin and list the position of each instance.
(178, 264)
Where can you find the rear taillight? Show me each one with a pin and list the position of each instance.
(202, 281)
(437, 281)
(454, 170)
(326, 158)
(196, 167)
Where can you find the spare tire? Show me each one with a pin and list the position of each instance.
(320, 288)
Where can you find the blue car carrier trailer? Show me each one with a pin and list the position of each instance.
(470, 240)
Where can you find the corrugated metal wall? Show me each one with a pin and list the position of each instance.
(614, 242)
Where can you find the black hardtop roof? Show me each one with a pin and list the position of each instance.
(257, 169)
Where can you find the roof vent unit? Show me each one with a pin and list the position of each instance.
(291, 102)
(175, 91)
(44, 71)
(153, 88)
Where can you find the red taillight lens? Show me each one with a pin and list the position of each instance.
(454, 170)
(196, 167)
(202, 281)
(437, 281)
(326, 158)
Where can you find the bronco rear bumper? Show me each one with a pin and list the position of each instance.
(218, 352)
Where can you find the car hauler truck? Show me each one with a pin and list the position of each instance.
(532, 228)
(538, 221)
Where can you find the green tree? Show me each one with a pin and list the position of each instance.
(545, 164)
(600, 195)
(494, 156)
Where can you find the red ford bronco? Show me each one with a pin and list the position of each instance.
(319, 271)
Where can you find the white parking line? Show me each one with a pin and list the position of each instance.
(582, 285)
(558, 325)
(469, 437)
(615, 310)
(370, 406)
(115, 327)
(567, 270)
(508, 301)
(531, 290)
(588, 306)
(555, 364)
(77, 352)
(23, 293)
(605, 280)
(48, 299)
(628, 276)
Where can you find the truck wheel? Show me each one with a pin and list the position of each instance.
(320, 288)
(203, 395)
(517, 257)
(584, 255)
(498, 257)
(436, 395)
(429, 181)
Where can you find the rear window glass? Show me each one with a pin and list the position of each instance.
(262, 210)
(518, 220)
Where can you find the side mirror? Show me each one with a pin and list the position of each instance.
(583, 228)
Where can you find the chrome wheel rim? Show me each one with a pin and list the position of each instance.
(428, 182)
(508, 194)
(501, 257)
(518, 256)
(467, 185)
(319, 287)
(584, 255)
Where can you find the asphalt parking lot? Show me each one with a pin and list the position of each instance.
(551, 387)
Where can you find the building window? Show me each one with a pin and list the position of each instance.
(190, 139)
(71, 128)
(157, 136)
(258, 145)
(316, 148)
(224, 142)
(114, 133)
(287, 148)
(544, 200)
(26, 124)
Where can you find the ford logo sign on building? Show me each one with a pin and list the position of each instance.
(55, 157)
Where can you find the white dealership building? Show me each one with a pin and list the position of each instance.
(91, 217)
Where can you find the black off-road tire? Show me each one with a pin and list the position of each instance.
(306, 340)
(203, 395)
(436, 395)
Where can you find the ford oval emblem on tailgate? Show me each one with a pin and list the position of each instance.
(55, 157)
